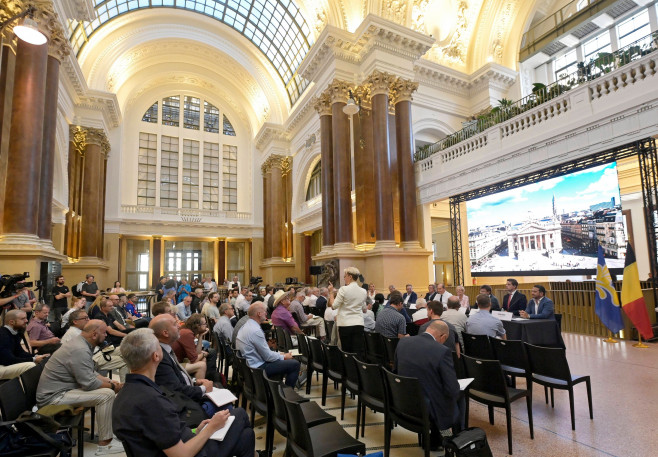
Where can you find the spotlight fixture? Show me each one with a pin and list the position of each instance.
(28, 31)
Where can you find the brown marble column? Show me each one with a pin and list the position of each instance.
(90, 227)
(21, 205)
(48, 150)
(341, 163)
(77, 146)
(405, 148)
(380, 83)
(7, 65)
(323, 107)
(278, 209)
(267, 213)
(364, 158)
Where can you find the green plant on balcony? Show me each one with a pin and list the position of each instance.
(604, 62)
(626, 56)
(654, 37)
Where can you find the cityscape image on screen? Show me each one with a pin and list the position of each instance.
(552, 226)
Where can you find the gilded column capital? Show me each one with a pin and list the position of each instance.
(322, 104)
(339, 91)
(286, 166)
(273, 161)
(98, 137)
(58, 45)
(380, 82)
(402, 90)
(78, 136)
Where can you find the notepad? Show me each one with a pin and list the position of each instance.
(463, 383)
(293, 352)
(220, 434)
(221, 397)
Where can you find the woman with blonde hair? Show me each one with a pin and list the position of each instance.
(463, 298)
(94, 308)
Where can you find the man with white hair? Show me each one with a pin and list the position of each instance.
(183, 309)
(148, 422)
(311, 297)
(420, 316)
(306, 320)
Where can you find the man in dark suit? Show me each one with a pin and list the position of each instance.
(514, 301)
(15, 357)
(495, 306)
(426, 358)
(321, 302)
(540, 306)
(431, 293)
(185, 391)
(409, 296)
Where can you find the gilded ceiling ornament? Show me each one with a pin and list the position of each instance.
(78, 137)
(395, 10)
(320, 20)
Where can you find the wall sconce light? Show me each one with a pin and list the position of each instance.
(28, 31)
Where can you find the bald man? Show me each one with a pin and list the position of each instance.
(15, 356)
(426, 357)
(253, 346)
(69, 379)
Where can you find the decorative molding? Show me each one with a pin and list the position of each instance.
(338, 91)
(269, 133)
(458, 83)
(402, 90)
(379, 82)
(373, 33)
(104, 102)
(80, 10)
(322, 104)
(98, 137)
(284, 163)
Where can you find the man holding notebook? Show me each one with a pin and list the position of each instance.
(148, 423)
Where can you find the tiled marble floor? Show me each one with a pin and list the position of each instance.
(624, 382)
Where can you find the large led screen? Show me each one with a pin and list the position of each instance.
(549, 228)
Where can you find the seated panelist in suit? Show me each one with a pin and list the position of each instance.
(495, 306)
(540, 306)
(514, 301)
(409, 296)
(425, 357)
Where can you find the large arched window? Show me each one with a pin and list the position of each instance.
(315, 183)
(178, 168)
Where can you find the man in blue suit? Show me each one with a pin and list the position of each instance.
(409, 297)
(540, 306)
(426, 358)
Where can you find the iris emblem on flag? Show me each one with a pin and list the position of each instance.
(604, 285)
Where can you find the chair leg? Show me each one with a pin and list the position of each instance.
(508, 413)
(528, 399)
(343, 393)
(81, 436)
(93, 422)
(269, 435)
(589, 398)
(253, 414)
(571, 406)
(491, 415)
(387, 436)
(552, 398)
(309, 378)
(358, 418)
(426, 441)
(325, 384)
(363, 419)
(466, 410)
(546, 394)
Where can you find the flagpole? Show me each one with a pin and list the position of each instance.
(610, 338)
(639, 343)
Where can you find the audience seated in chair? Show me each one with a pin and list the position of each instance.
(69, 378)
(148, 422)
(15, 355)
(38, 330)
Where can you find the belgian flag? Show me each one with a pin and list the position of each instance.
(632, 301)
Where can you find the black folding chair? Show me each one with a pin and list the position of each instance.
(512, 357)
(324, 440)
(375, 349)
(318, 365)
(390, 344)
(549, 367)
(478, 346)
(372, 389)
(335, 372)
(489, 387)
(407, 408)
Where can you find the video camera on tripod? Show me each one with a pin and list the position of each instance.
(9, 284)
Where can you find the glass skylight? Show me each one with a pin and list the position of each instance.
(276, 27)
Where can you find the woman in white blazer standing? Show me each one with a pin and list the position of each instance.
(349, 302)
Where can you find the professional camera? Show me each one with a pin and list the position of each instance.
(9, 283)
(255, 280)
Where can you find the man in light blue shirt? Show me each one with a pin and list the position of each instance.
(482, 322)
(252, 345)
(183, 310)
(223, 326)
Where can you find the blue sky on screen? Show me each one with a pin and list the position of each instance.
(573, 192)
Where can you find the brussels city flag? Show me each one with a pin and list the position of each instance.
(607, 303)
(632, 300)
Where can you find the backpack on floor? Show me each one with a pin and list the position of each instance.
(471, 442)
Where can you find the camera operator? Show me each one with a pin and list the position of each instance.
(25, 298)
(61, 294)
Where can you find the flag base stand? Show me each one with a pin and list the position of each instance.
(639, 343)
(610, 340)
